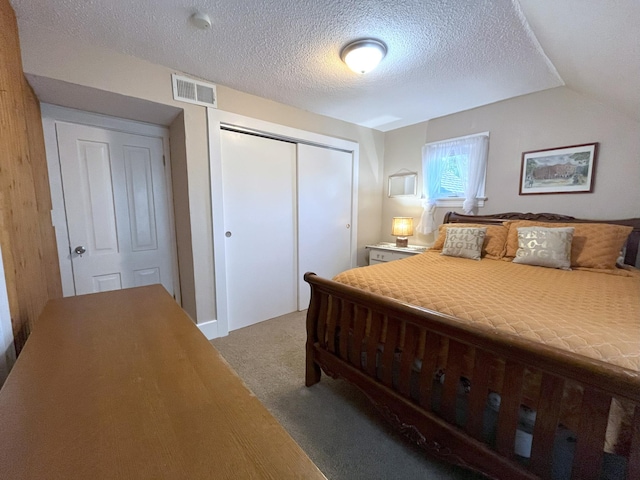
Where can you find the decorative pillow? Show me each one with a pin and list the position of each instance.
(545, 247)
(464, 242)
(495, 240)
(594, 245)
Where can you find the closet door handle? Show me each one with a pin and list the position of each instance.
(348, 225)
(228, 234)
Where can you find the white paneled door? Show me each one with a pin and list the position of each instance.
(117, 208)
(259, 185)
(324, 214)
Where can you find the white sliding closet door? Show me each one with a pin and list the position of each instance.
(324, 214)
(259, 198)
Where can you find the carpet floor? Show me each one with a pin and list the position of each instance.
(332, 421)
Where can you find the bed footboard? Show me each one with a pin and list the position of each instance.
(481, 418)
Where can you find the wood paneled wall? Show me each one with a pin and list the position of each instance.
(26, 234)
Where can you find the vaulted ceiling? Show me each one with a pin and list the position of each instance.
(444, 56)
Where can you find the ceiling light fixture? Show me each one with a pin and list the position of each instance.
(362, 56)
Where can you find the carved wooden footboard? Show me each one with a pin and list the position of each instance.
(454, 417)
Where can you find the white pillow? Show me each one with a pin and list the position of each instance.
(545, 247)
(465, 242)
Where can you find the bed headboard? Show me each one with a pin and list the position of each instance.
(631, 257)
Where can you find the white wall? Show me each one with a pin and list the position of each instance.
(548, 119)
(180, 180)
(7, 349)
(50, 55)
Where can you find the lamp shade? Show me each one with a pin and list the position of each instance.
(362, 56)
(402, 226)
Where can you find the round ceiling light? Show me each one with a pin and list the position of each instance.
(362, 56)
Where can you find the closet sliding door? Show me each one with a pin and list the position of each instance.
(285, 207)
(259, 201)
(325, 179)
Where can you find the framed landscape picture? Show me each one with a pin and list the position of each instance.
(559, 170)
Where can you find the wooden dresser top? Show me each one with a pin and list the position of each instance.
(122, 385)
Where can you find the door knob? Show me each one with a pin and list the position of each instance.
(228, 234)
(80, 250)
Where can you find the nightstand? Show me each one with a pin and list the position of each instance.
(386, 252)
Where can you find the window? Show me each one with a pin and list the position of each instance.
(453, 175)
(454, 170)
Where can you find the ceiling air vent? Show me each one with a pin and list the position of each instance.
(192, 91)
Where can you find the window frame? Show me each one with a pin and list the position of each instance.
(453, 202)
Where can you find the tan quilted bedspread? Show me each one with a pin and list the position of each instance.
(589, 313)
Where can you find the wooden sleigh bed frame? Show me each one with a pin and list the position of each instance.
(339, 317)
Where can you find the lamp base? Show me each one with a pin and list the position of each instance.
(402, 242)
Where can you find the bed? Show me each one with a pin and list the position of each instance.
(533, 376)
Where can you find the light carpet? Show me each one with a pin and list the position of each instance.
(332, 421)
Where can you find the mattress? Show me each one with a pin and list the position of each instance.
(590, 313)
(594, 314)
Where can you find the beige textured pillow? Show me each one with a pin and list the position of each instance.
(495, 240)
(545, 247)
(594, 245)
(464, 242)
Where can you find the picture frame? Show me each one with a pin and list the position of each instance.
(568, 169)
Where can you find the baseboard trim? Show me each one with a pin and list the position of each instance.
(209, 329)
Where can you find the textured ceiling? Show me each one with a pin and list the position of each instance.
(444, 56)
(595, 46)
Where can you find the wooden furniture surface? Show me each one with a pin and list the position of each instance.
(122, 385)
(344, 326)
(27, 236)
(386, 252)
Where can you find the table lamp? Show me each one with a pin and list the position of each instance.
(401, 228)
